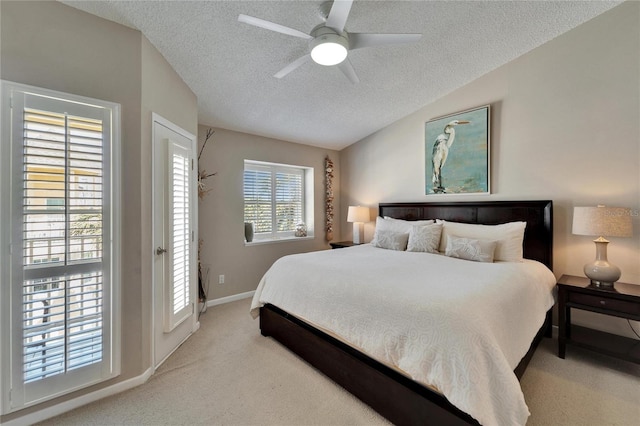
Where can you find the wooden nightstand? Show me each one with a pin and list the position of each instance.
(343, 244)
(623, 301)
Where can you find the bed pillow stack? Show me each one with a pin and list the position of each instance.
(508, 237)
(481, 243)
(393, 233)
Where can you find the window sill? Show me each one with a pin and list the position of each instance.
(278, 240)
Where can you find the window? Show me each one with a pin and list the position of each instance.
(60, 276)
(179, 307)
(277, 198)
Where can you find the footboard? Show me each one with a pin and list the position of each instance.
(394, 396)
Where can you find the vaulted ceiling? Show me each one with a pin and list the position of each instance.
(230, 65)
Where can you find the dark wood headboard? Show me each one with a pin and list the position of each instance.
(538, 235)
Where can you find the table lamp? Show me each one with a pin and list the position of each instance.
(603, 222)
(358, 215)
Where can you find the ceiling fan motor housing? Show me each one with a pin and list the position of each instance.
(328, 47)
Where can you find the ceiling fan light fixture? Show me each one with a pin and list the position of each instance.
(329, 48)
(328, 54)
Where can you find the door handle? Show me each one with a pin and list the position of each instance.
(160, 251)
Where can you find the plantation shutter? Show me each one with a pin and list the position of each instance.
(288, 195)
(61, 247)
(273, 199)
(179, 306)
(258, 205)
(62, 309)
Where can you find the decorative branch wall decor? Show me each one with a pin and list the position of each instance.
(202, 174)
(203, 276)
(328, 182)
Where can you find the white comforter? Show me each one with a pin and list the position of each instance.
(453, 324)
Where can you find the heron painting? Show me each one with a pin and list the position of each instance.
(457, 153)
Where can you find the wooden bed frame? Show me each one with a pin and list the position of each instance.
(396, 397)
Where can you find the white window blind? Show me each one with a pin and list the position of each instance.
(274, 199)
(258, 205)
(62, 267)
(289, 196)
(179, 306)
(62, 321)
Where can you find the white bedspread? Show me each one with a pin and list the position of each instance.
(458, 325)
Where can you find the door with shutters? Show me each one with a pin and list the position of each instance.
(174, 230)
(61, 269)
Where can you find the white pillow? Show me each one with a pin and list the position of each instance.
(391, 240)
(402, 222)
(425, 238)
(470, 249)
(508, 236)
(397, 225)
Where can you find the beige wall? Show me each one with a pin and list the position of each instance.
(221, 211)
(50, 45)
(163, 93)
(565, 126)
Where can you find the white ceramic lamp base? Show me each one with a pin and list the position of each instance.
(600, 271)
(358, 232)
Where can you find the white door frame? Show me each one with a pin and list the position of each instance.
(159, 120)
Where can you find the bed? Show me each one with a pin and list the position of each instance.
(372, 374)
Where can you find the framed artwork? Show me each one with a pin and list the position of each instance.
(457, 153)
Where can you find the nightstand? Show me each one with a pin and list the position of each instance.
(343, 244)
(622, 301)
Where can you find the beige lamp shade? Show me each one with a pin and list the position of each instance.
(603, 222)
(358, 214)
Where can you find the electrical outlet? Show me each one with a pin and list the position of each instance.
(220, 279)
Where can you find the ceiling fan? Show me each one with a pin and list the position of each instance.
(329, 43)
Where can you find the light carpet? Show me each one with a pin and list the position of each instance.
(228, 374)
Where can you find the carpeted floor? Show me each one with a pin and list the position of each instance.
(228, 374)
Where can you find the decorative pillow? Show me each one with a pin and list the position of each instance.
(397, 225)
(508, 237)
(470, 249)
(391, 240)
(425, 238)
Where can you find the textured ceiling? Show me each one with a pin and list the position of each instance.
(230, 65)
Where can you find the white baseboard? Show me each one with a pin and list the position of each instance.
(229, 299)
(63, 407)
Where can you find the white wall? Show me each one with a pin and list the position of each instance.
(565, 126)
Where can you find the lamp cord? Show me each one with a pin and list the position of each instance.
(633, 329)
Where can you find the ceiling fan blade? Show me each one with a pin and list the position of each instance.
(346, 67)
(338, 14)
(292, 66)
(268, 25)
(359, 40)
